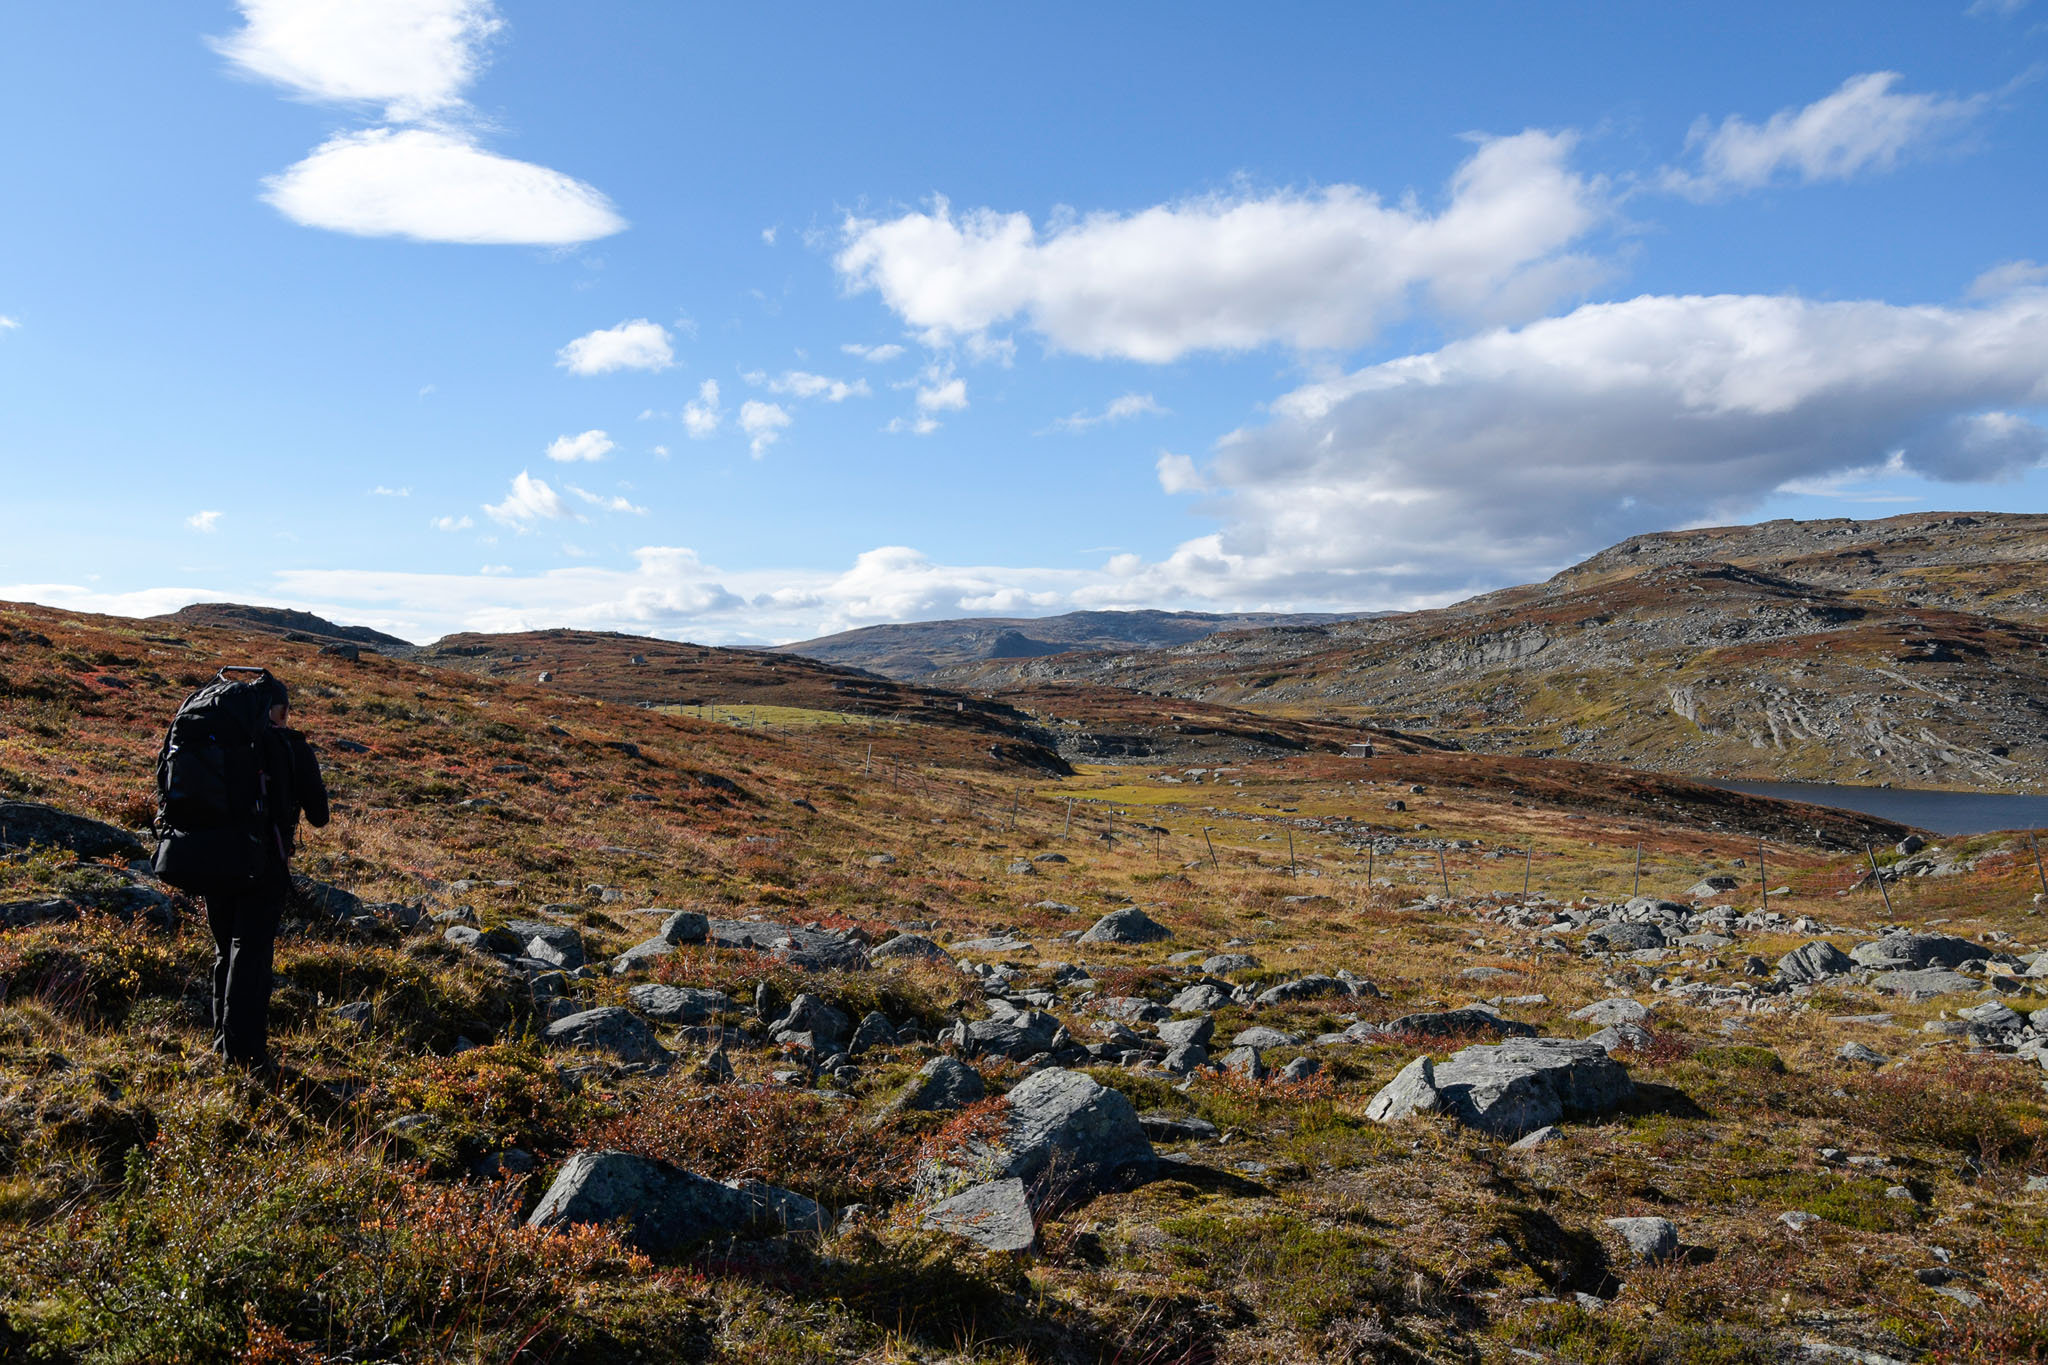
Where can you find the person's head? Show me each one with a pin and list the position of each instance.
(279, 700)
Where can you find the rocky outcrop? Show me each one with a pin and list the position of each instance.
(666, 1209)
(1508, 1088)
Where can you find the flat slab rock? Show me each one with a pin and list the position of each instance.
(679, 1004)
(810, 949)
(1508, 1088)
(26, 823)
(1924, 984)
(995, 1216)
(610, 1029)
(1910, 952)
(667, 1209)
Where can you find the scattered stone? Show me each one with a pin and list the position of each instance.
(1063, 1122)
(28, 824)
(1542, 1137)
(995, 1216)
(1627, 937)
(1176, 1127)
(811, 1017)
(1924, 984)
(1306, 988)
(1258, 1035)
(1798, 1220)
(610, 1029)
(1245, 1061)
(1300, 1069)
(1458, 1023)
(1910, 952)
(680, 1004)
(666, 1209)
(1634, 1037)
(1199, 999)
(1857, 1052)
(1130, 925)
(945, 1083)
(809, 949)
(1620, 1010)
(873, 1031)
(910, 947)
(1223, 964)
(1016, 1036)
(1509, 1088)
(1816, 961)
(1651, 1239)
(361, 1013)
(1185, 1032)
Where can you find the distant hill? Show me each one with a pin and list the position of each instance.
(913, 649)
(292, 625)
(1912, 651)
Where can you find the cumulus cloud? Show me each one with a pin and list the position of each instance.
(1505, 456)
(1120, 409)
(529, 501)
(457, 523)
(207, 522)
(1177, 474)
(800, 384)
(874, 355)
(702, 417)
(589, 445)
(635, 345)
(1230, 272)
(415, 57)
(432, 183)
(763, 423)
(436, 186)
(2005, 278)
(940, 391)
(1862, 127)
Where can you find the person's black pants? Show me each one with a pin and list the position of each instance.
(244, 926)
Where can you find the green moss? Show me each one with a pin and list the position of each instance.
(1311, 1275)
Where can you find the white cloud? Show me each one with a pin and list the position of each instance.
(913, 426)
(7, 324)
(590, 445)
(1177, 474)
(874, 355)
(635, 345)
(436, 186)
(1862, 127)
(208, 522)
(768, 235)
(415, 57)
(1501, 458)
(2005, 278)
(380, 491)
(661, 452)
(763, 423)
(610, 504)
(1120, 409)
(529, 501)
(800, 384)
(702, 417)
(941, 392)
(458, 523)
(1231, 272)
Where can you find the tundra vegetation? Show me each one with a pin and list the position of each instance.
(1770, 1150)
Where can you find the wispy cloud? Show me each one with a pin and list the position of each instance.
(381, 491)
(208, 522)
(1865, 126)
(455, 523)
(7, 324)
(801, 384)
(608, 503)
(874, 355)
(1120, 409)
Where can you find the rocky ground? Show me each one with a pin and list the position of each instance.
(905, 1053)
(1910, 651)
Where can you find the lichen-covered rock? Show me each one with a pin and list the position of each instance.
(945, 1083)
(667, 1209)
(1016, 1036)
(1509, 1088)
(1816, 961)
(1651, 1239)
(1306, 988)
(610, 1029)
(679, 1004)
(1130, 925)
(910, 948)
(1058, 1124)
(1911, 952)
(995, 1216)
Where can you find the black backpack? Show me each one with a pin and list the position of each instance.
(213, 820)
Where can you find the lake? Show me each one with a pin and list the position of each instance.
(1941, 812)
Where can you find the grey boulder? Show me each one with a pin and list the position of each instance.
(910, 948)
(1063, 1125)
(1457, 1023)
(873, 1031)
(679, 1004)
(1016, 1036)
(1924, 984)
(1130, 925)
(1223, 964)
(1306, 988)
(995, 1216)
(1509, 1088)
(1619, 1010)
(1815, 961)
(665, 1208)
(1625, 938)
(25, 824)
(812, 1017)
(1651, 1239)
(943, 1084)
(1258, 1035)
(1911, 952)
(1184, 1032)
(558, 945)
(610, 1029)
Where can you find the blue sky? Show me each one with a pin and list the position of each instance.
(747, 326)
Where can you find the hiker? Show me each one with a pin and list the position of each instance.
(233, 780)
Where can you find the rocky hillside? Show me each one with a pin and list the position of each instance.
(914, 648)
(302, 626)
(1911, 651)
(610, 1033)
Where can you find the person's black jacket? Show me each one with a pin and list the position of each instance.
(293, 785)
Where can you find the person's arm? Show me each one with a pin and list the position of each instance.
(307, 785)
